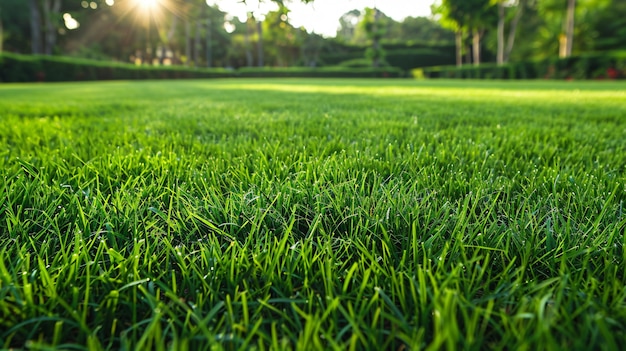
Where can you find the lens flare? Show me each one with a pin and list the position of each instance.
(148, 5)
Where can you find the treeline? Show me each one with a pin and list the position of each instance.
(504, 31)
(192, 34)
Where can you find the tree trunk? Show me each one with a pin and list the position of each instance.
(1, 33)
(148, 50)
(501, 19)
(166, 47)
(209, 44)
(376, 40)
(458, 39)
(172, 31)
(513, 30)
(569, 29)
(35, 27)
(476, 47)
(197, 45)
(187, 43)
(247, 44)
(46, 27)
(259, 29)
(50, 11)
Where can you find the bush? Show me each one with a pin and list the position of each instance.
(417, 73)
(608, 65)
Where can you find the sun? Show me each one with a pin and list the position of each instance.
(147, 5)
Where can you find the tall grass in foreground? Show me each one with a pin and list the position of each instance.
(317, 214)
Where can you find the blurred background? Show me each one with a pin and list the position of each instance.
(234, 34)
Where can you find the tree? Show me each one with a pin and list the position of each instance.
(348, 23)
(51, 16)
(35, 27)
(481, 17)
(569, 28)
(15, 26)
(453, 15)
(418, 29)
(375, 30)
(259, 30)
(605, 23)
(556, 32)
(501, 20)
(473, 16)
(513, 30)
(45, 19)
(1, 31)
(282, 39)
(311, 47)
(249, 23)
(505, 47)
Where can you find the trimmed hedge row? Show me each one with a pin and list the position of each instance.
(23, 68)
(608, 65)
(408, 59)
(321, 72)
(402, 55)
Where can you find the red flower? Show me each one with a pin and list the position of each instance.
(612, 73)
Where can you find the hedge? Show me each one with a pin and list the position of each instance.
(405, 59)
(602, 65)
(22, 68)
(332, 59)
(408, 59)
(401, 55)
(321, 72)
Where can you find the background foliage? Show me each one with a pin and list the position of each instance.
(190, 33)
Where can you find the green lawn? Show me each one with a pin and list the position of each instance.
(313, 214)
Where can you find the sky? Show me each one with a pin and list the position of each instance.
(322, 16)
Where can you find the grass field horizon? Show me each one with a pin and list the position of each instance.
(313, 214)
